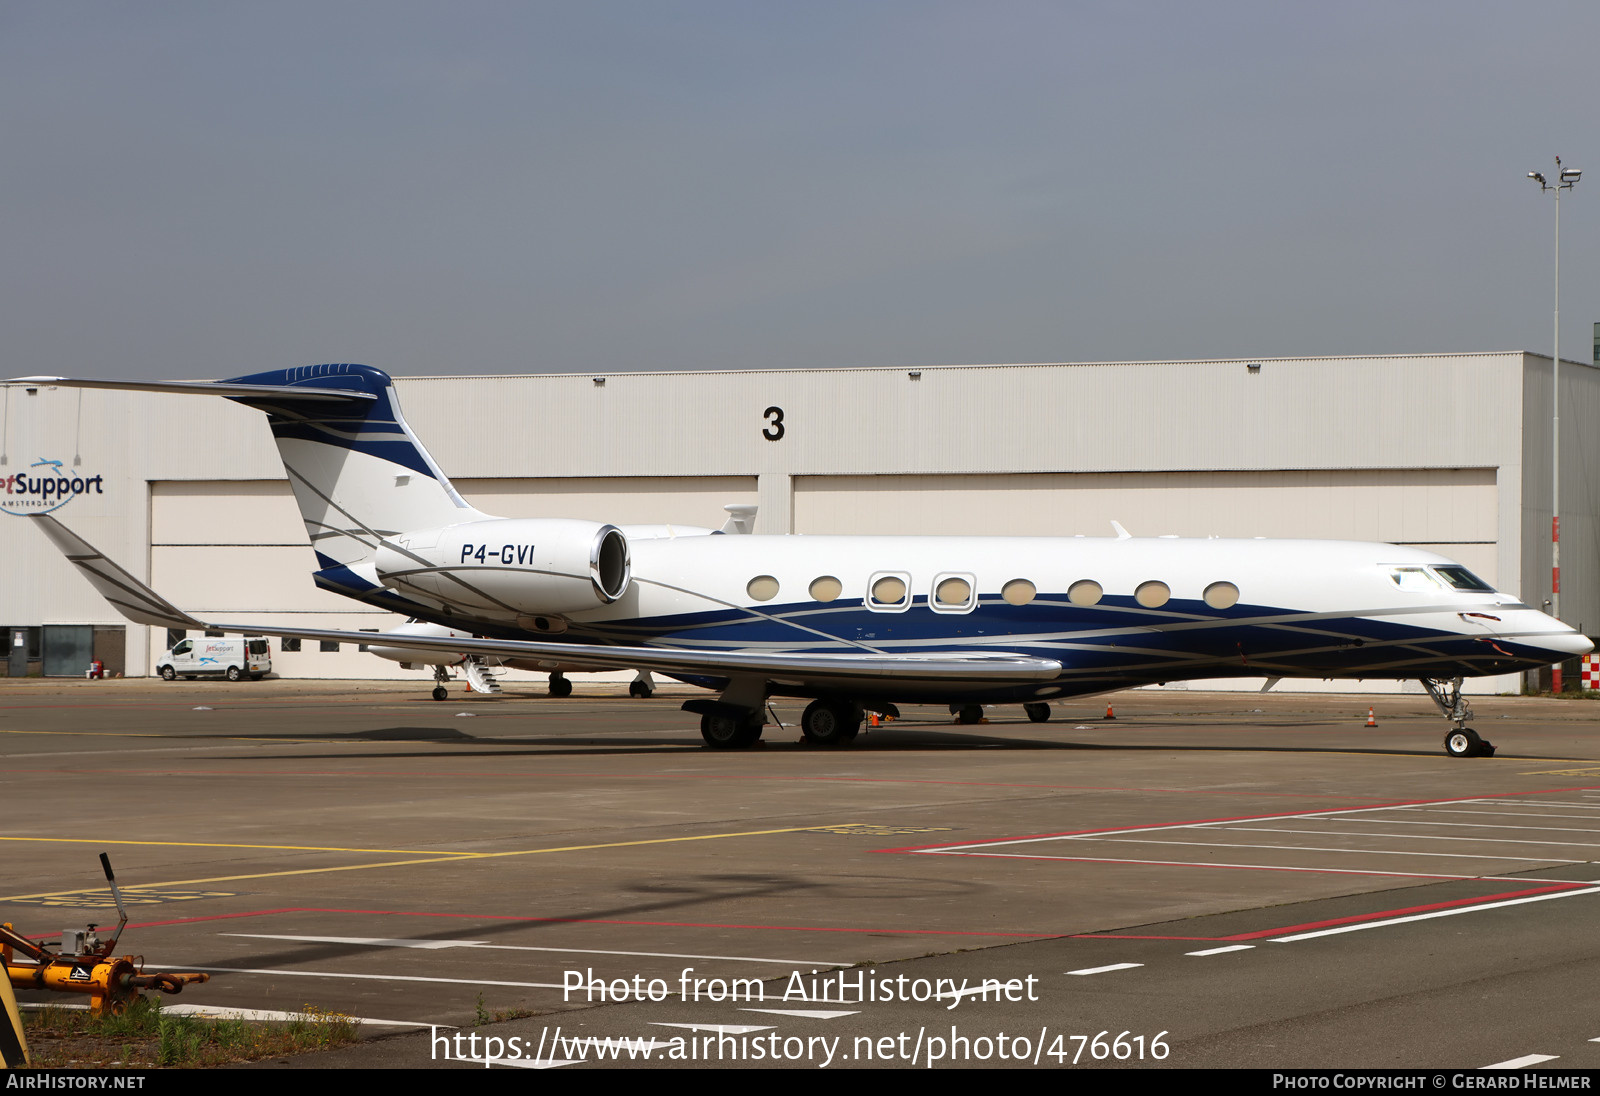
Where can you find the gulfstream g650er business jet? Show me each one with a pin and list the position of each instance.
(855, 623)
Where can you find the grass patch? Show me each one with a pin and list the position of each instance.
(143, 1036)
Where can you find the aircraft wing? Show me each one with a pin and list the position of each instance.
(136, 601)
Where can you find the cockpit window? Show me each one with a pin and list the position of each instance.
(1462, 579)
(1415, 580)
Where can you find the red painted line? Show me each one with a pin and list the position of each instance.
(1228, 867)
(1459, 902)
(1212, 821)
(591, 921)
(1131, 936)
(1352, 920)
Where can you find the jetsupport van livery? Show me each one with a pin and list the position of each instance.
(234, 659)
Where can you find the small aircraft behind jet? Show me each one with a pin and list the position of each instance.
(479, 671)
(853, 623)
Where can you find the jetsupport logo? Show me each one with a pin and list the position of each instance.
(44, 488)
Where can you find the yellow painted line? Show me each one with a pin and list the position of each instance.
(219, 845)
(164, 734)
(88, 734)
(429, 860)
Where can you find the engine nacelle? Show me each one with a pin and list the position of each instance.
(409, 656)
(529, 566)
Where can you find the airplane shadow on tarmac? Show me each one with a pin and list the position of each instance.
(879, 740)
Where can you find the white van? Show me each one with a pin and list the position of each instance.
(231, 658)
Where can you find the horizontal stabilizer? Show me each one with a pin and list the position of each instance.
(204, 388)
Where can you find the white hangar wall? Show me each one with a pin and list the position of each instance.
(1449, 452)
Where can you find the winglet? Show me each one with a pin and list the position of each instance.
(133, 599)
(1122, 534)
(741, 518)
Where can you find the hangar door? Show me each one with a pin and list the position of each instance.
(620, 500)
(1447, 510)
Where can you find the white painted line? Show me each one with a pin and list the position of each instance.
(484, 946)
(368, 941)
(1101, 834)
(1104, 970)
(1441, 837)
(1227, 864)
(1505, 814)
(1365, 852)
(282, 973)
(1525, 1060)
(1434, 914)
(811, 1014)
(519, 1063)
(219, 1012)
(1222, 951)
(214, 1012)
(1462, 825)
(720, 1029)
(1536, 803)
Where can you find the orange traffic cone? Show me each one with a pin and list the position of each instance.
(872, 719)
(1109, 713)
(1372, 719)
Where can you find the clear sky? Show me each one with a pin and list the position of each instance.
(202, 189)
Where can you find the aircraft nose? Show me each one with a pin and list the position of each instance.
(1569, 643)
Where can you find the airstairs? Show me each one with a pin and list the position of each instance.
(480, 676)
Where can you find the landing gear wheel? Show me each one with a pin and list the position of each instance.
(830, 722)
(727, 732)
(441, 693)
(560, 686)
(972, 713)
(168, 674)
(640, 690)
(1464, 742)
(1037, 713)
(235, 674)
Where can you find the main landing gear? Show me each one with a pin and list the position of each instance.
(1462, 740)
(440, 676)
(724, 731)
(560, 685)
(831, 722)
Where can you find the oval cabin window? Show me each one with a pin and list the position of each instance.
(952, 593)
(1019, 591)
(1086, 591)
(826, 588)
(890, 590)
(1152, 595)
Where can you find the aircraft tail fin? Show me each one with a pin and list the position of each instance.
(359, 474)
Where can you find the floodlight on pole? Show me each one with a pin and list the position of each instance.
(1566, 179)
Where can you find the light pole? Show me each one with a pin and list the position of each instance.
(1566, 179)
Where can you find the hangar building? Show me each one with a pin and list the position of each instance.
(1450, 452)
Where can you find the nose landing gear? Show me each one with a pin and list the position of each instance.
(1462, 741)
